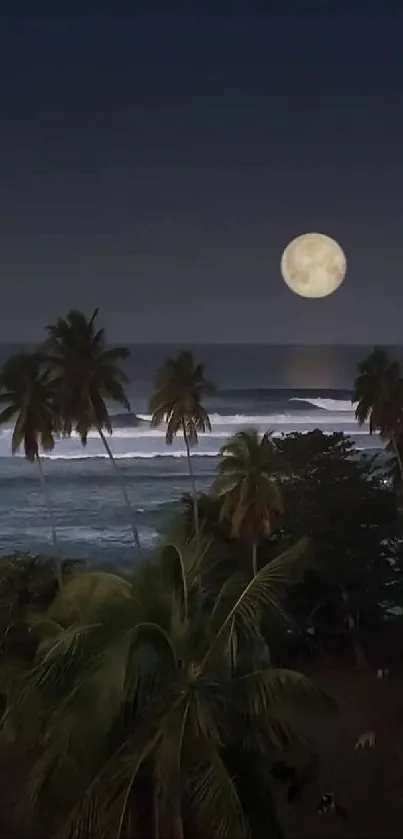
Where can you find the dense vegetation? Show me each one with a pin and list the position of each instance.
(167, 703)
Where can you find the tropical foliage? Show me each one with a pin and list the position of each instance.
(180, 387)
(250, 498)
(27, 392)
(164, 703)
(86, 376)
(142, 688)
(340, 500)
(27, 586)
(378, 392)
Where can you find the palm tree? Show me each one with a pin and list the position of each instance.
(251, 500)
(155, 706)
(378, 392)
(180, 386)
(26, 389)
(87, 376)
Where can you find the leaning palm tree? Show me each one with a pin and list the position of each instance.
(251, 499)
(27, 391)
(180, 386)
(87, 376)
(378, 392)
(158, 698)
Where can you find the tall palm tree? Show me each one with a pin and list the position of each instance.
(27, 391)
(154, 704)
(251, 499)
(378, 392)
(180, 386)
(87, 376)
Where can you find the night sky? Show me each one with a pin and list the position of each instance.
(157, 166)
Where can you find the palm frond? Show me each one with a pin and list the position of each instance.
(65, 660)
(265, 690)
(215, 802)
(179, 388)
(117, 776)
(174, 572)
(85, 372)
(262, 592)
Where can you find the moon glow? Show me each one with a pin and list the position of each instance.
(313, 265)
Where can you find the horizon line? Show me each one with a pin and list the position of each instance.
(180, 343)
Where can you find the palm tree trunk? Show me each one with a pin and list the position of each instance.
(57, 561)
(254, 559)
(122, 484)
(192, 480)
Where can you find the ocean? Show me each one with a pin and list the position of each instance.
(277, 388)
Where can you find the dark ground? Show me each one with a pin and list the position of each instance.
(368, 783)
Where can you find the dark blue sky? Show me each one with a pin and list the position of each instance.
(156, 167)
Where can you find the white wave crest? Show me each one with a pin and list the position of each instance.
(269, 420)
(336, 412)
(244, 420)
(165, 452)
(126, 455)
(142, 433)
(335, 405)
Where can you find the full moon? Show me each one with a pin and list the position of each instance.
(313, 265)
